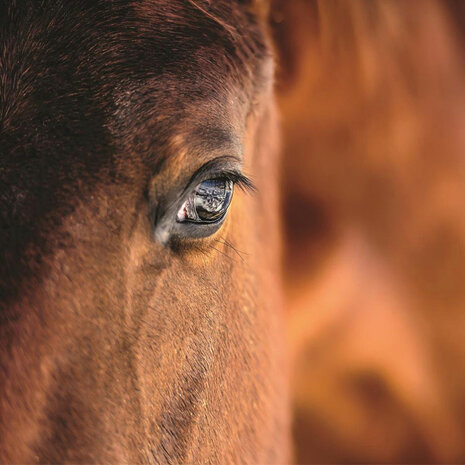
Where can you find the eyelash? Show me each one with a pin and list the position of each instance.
(239, 180)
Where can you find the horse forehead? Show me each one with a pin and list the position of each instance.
(59, 63)
(65, 67)
(124, 38)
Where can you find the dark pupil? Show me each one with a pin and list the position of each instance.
(212, 198)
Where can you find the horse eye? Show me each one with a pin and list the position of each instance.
(207, 203)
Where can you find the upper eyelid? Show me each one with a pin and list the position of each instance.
(227, 167)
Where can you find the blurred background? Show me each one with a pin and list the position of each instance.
(372, 98)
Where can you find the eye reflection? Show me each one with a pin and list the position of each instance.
(208, 202)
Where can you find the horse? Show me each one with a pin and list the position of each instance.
(372, 101)
(140, 294)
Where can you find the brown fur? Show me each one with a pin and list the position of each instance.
(115, 348)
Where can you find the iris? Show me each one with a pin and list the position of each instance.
(208, 202)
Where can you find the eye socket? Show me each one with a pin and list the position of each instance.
(207, 203)
(201, 209)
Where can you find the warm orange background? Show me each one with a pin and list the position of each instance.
(372, 96)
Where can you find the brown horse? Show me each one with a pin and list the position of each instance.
(373, 101)
(140, 305)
